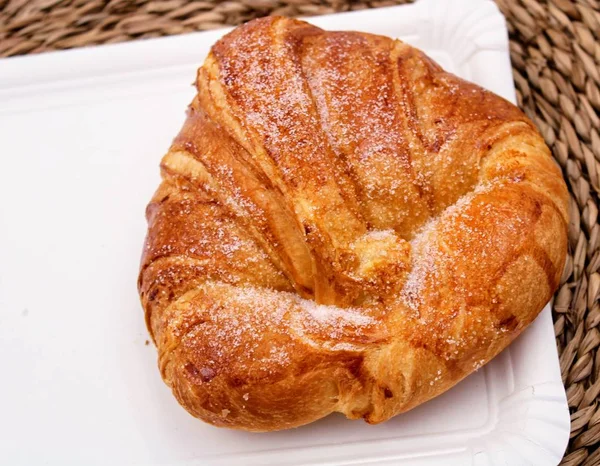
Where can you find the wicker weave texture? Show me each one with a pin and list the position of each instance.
(555, 51)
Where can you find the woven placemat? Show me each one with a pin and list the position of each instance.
(555, 52)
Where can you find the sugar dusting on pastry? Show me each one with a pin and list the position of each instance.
(329, 235)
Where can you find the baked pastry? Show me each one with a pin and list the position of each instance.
(342, 226)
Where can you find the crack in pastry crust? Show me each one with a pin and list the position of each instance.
(342, 226)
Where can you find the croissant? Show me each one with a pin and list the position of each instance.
(342, 226)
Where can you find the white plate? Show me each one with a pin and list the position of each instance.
(81, 135)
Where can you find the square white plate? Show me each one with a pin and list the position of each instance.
(81, 136)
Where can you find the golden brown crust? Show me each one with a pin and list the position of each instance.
(342, 226)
